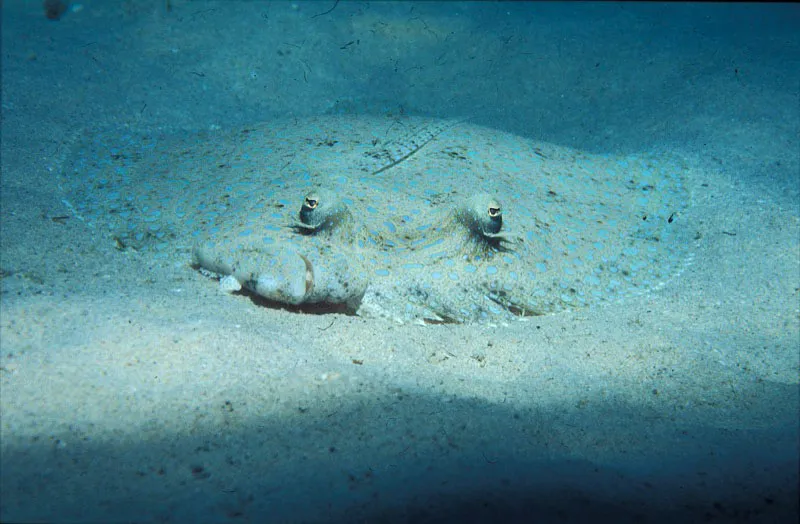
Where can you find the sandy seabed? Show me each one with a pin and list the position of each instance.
(133, 391)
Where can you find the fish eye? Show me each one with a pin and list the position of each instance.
(311, 202)
(494, 212)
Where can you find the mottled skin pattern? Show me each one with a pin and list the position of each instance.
(471, 231)
(413, 220)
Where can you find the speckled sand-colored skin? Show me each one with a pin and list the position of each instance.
(417, 219)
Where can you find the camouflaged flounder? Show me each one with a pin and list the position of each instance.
(412, 219)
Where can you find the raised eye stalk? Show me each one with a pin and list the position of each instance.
(323, 211)
(481, 214)
(481, 217)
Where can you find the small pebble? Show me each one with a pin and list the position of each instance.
(229, 284)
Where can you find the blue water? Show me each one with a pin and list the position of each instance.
(716, 83)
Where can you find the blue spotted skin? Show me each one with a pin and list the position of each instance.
(577, 229)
